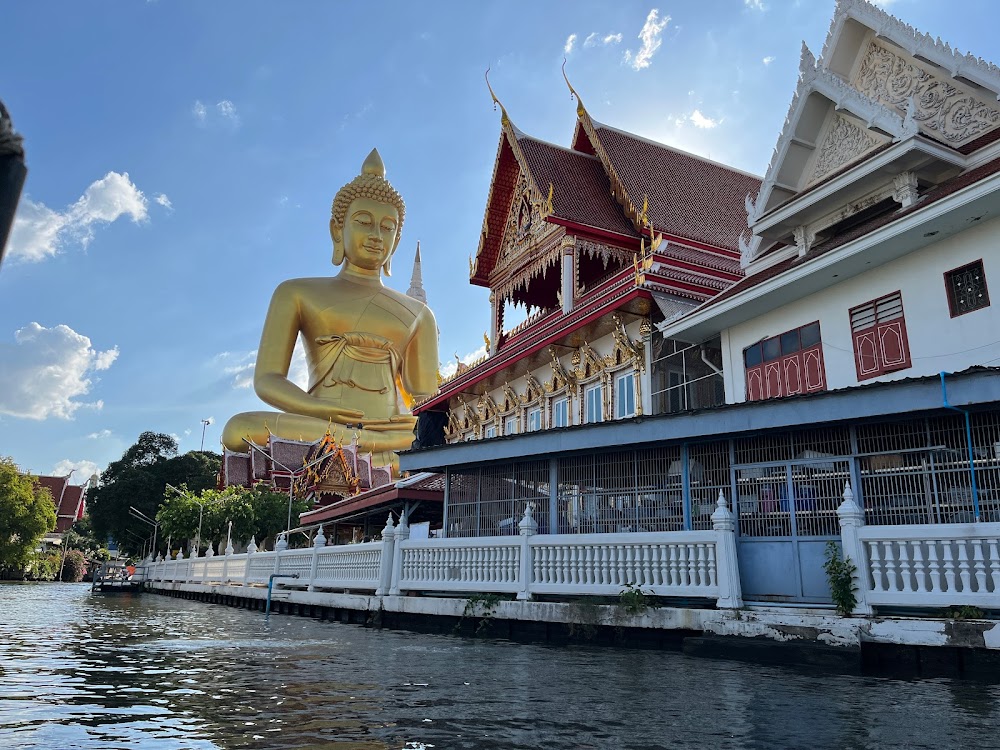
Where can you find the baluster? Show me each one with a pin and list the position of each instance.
(672, 566)
(564, 562)
(713, 567)
(655, 563)
(980, 564)
(647, 571)
(905, 583)
(876, 559)
(963, 566)
(628, 572)
(693, 563)
(574, 564)
(538, 564)
(605, 565)
(995, 564)
(889, 561)
(933, 566)
(919, 569)
(589, 571)
(621, 552)
(948, 562)
(682, 568)
(702, 566)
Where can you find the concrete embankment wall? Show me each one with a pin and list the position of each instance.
(802, 637)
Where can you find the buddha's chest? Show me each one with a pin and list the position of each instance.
(350, 309)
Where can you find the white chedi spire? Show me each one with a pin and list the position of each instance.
(416, 290)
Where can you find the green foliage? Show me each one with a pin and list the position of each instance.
(632, 600)
(43, 566)
(965, 612)
(27, 513)
(81, 536)
(73, 566)
(140, 478)
(840, 576)
(483, 607)
(254, 512)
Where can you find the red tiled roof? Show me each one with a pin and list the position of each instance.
(703, 258)
(55, 485)
(688, 196)
(581, 192)
(935, 194)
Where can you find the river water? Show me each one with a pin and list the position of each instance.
(102, 672)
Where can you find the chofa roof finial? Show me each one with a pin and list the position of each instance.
(580, 109)
(496, 102)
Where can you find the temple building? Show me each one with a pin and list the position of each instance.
(596, 243)
(769, 341)
(70, 503)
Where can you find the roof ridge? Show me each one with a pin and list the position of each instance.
(572, 151)
(676, 150)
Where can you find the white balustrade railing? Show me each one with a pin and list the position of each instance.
(681, 563)
(932, 565)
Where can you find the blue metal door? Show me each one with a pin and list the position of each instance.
(787, 514)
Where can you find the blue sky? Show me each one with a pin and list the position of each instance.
(183, 157)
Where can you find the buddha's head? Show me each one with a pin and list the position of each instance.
(366, 218)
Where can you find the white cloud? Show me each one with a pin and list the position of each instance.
(701, 121)
(768, 60)
(40, 232)
(755, 5)
(46, 370)
(99, 435)
(164, 201)
(594, 38)
(82, 470)
(241, 366)
(199, 111)
(228, 110)
(591, 40)
(612, 39)
(650, 35)
(449, 369)
(570, 41)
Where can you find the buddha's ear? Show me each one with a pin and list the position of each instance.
(388, 261)
(337, 235)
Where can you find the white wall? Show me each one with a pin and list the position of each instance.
(937, 341)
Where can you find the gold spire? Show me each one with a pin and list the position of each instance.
(580, 109)
(496, 102)
(374, 165)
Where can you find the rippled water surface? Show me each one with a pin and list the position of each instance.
(102, 672)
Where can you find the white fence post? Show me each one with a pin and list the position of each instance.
(280, 545)
(385, 561)
(225, 564)
(528, 528)
(318, 543)
(852, 518)
(251, 549)
(401, 535)
(726, 562)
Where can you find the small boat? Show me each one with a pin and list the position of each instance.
(114, 576)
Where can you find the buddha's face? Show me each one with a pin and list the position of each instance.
(368, 236)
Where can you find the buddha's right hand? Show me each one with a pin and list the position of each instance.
(338, 413)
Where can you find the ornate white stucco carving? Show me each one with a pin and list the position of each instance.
(844, 142)
(887, 26)
(905, 189)
(938, 105)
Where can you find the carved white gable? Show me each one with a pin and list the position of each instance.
(842, 142)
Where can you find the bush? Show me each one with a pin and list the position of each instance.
(840, 576)
(44, 566)
(74, 566)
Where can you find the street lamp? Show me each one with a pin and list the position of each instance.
(201, 510)
(293, 474)
(140, 516)
(204, 424)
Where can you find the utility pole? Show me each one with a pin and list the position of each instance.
(204, 424)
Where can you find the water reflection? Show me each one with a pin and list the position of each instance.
(82, 671)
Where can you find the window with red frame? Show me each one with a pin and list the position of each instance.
(967, 290)
(785, 365)
(878, 329)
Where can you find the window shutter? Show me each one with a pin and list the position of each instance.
(755, 383)
(878, 329)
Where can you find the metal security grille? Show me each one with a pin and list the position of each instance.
(621, 491)
(967, 289)
(708, 469)
(795, 499)
(685, 376)
(490, 501)
(918, 471)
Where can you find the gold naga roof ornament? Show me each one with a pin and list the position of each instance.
(580, 109)
(496, 102)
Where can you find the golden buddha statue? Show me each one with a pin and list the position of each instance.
(371, 351)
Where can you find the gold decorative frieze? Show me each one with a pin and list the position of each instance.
(940, 106)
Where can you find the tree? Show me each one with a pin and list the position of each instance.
(257, 512)
(27, 513)
(73, 566)
(139, 478)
